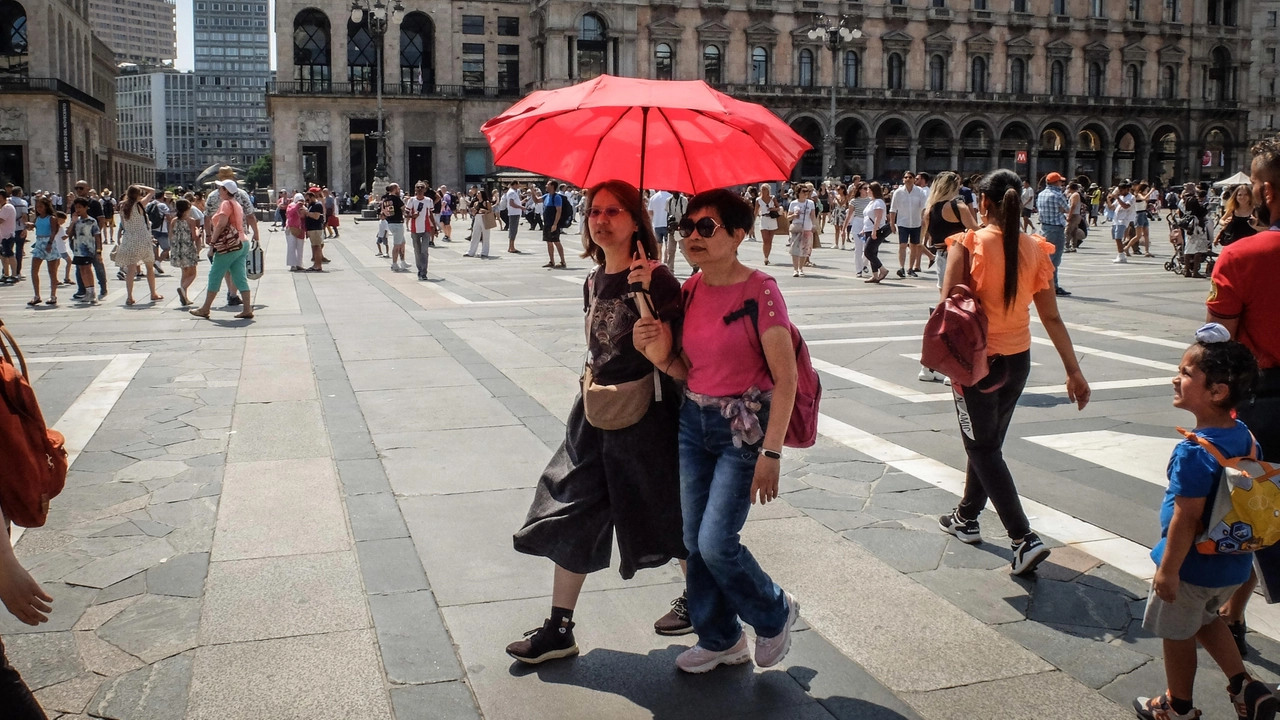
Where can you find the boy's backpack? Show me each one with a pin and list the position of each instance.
(34, 457)
(453, 203)
(802, 430)
(566, 212)
(154, 215)
(1244, 513)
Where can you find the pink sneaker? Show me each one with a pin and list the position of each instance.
(698, 659)
(770, 651)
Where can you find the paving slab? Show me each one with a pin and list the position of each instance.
(446, 461)
(391, 566)
(332, 676)
(282, 596)
(375, 516)
(180, 576)
(280, 508)
(278, 431)
(416, 648)
(906, 551)
(390, 411)
(1047, 696)
(271, 383)
(70, 696)
(155, 692)
(1083, 658)
(991, 596)
(1078, 604)
(45, 658)
(419, 372)
(154, 627)
(438, 701)
(897, 616)
(113, 568)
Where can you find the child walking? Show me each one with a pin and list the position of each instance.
(1215, 374)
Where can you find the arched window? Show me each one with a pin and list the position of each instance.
(1057, 78)
(1018, 76)
(1133, 81)
(417, 48)
(362, 57)
(593, 44)
(1095, 79)
(712, 65)
(1221, 85)
(663, 61)
(760, 66)
(311, 48)
(851, 69)
(978, 82)
(13, 39)
(1169, 82)
(895, 71)
(806, 68)
(937, 73)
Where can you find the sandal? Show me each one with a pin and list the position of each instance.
(246, 315)
(182, 295)
(33, 303)
(198, 313)
(1158, 708)
(129, 301)
(156, 298)
(51, 301)
(562, 266)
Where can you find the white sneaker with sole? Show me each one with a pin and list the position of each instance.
(770, 651)
(698, 659)
(927, 375)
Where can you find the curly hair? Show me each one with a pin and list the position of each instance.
(1266, 157)
(1228, 363)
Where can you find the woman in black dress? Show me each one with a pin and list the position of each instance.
(624, 480)
(1237, 216)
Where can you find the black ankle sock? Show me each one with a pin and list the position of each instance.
(1182, 707)
(560, 616)
(1236, 683)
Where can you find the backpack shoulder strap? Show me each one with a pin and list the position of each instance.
(1210, 448)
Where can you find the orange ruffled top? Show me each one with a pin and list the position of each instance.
(1008, 327)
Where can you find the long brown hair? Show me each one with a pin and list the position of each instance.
(1003, 189)
(132, 196)
(629, 197)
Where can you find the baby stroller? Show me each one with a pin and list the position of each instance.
(1191, 245)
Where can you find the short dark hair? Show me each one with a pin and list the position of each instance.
(1228, 363)
(734, 212)
(1266, 153)
(924, 175)
(81, 202)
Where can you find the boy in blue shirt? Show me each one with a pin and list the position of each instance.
(1188, 588)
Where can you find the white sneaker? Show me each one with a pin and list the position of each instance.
(698, 659)
(770, 651)
(946, 381)
(1120, 258)
(927, 375)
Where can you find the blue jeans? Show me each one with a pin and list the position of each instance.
(724, 581)
(1055, 234)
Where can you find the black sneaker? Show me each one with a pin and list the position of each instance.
(545, 643)
(78, 296)
(233, 300)
(1028, 554)
(966, 531)
(1255, 701)
(902, 273)
(1238, 631)
(675, 622)
(1061, 292)
(913, 273)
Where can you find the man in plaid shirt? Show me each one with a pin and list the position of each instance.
(1052, 206)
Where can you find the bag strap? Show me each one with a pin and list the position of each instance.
(8, 337)
(1213, 450)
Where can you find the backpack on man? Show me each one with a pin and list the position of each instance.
(35, 459)
(154, 216)
(566, 212)
(802, 430)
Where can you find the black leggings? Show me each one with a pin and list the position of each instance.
(872, 252)
(15, 696)
(985, 411)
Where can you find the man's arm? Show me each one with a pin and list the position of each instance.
(1231, 324)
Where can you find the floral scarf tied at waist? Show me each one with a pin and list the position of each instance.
(741, 411)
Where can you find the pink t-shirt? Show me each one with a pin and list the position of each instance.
(293, 216)
(727, 359)
(230, 209)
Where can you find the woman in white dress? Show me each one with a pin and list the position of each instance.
(137, 247)
(802, 214)
(767, 210)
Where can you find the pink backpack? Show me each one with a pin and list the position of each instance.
(802, 430)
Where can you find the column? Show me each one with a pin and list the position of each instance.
(1108, 164)
(955, 157)
(914, 150)
(871, 162)
(1142, 171)
(1033, 158)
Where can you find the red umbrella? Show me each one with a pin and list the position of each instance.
(671, 135)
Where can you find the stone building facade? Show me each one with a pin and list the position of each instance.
(57, 99)
(1264, 81)
(140, 31)
(1145, 88)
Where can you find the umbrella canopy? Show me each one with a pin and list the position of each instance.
(1237, 179)
(663, 134)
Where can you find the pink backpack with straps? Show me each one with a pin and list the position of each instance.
(802, 430)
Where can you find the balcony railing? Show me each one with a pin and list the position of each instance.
(402, 90)
(763, 92)
(26, 84)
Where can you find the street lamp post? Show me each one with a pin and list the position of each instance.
(378, 24)
(834, 32)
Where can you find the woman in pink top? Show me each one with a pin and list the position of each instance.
(741, 370)
(295, 232)
(229, 214)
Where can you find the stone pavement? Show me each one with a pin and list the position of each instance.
(309, 515)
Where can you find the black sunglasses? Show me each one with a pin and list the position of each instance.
(706, 227)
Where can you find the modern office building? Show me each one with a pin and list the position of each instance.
(57, 100)
(139, 31)
(156, 115)
(232, 56)
(1140, 88)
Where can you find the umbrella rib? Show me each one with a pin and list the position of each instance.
(600, 141)
(785, 173)
(535, 124)
(679, 142)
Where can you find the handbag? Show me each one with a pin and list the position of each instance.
(955, 337)
(490, 222)
(297, 232)
(255, 262)
(35, 456)
(618, 406)
(883, 231)
(227, 241)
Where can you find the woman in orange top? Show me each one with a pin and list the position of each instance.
(1010, 271)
